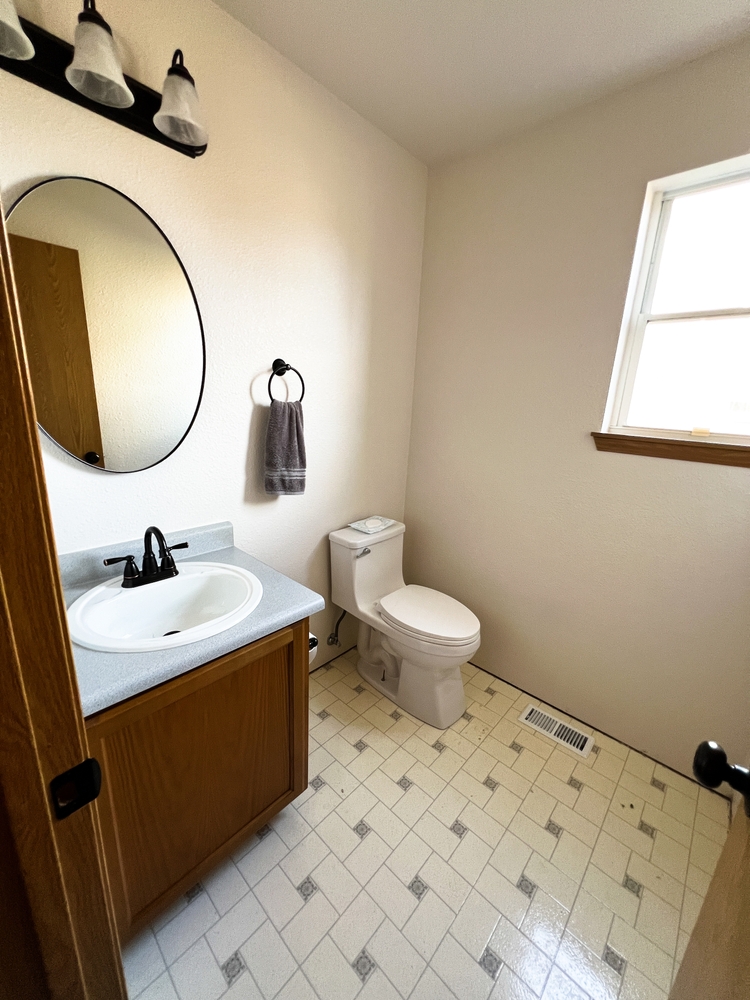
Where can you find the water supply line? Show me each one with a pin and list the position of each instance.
(333, 638)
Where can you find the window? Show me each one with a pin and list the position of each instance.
(682, 370)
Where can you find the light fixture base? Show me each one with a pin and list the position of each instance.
(92, 15)
(178, 67)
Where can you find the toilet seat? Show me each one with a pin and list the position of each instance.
(429, 615)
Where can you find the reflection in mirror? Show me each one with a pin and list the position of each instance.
(112, 329)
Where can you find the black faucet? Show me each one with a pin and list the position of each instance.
(150, 572)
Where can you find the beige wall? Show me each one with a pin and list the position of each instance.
(301, 229)
(615, 587)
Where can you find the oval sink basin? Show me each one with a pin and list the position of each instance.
(204, 599)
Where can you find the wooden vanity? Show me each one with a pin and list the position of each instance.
(193, 767)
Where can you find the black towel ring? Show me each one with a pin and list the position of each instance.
(281, 368)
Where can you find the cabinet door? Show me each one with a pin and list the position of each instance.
(194, 766)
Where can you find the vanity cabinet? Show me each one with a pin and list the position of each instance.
(193, 767)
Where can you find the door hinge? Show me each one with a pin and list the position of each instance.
(76, 788)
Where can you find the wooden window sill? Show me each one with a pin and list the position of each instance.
(686, 451)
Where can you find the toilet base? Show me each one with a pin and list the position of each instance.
(374, 676)
(435, 697)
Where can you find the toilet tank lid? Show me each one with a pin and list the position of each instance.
(350, 538)
(429, 613)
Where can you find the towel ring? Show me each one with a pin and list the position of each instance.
(281, 368)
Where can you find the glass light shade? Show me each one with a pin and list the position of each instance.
(95, 71)
(14, 43)
(180, 117)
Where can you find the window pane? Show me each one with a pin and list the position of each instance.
(705, 262)
(694, 373)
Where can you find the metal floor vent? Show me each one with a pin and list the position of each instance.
(557, 730)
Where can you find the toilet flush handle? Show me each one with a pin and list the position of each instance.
(364, 552)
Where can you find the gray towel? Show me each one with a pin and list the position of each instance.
(285, 449)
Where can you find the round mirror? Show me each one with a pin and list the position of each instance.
(112, 329)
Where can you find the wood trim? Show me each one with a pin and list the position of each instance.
(20, 958)
(717, 960)
(300, 707)
(111, 719)
(25, 817)
(710, 452)
(61, 862)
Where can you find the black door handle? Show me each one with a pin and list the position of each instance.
(75, 788)
(711, 768)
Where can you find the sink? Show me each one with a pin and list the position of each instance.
(204, 599)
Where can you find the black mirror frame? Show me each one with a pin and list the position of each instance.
(76, 177)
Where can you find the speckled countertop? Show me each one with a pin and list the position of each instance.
(104, 679)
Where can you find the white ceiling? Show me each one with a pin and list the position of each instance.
(446, 77)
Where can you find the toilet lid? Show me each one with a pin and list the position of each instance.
(430, 614)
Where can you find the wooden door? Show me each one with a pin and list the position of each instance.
(53, 316)
(193, 767)
(57, 938)
(716, 965)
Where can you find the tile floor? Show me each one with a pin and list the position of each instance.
(485, 862)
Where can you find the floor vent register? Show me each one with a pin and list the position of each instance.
(559, 731)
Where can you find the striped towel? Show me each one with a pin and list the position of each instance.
(286, 460)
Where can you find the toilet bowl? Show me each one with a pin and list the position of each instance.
(412, 640)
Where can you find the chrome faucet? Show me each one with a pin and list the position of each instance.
(150, 572)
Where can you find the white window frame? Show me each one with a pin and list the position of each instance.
(653, 226)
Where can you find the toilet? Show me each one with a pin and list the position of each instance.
(412, 640)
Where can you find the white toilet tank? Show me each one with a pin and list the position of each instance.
(359, 578)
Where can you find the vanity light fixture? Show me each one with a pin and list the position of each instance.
(90, 76)
(180, 117)
(14, 42)
(95, 71)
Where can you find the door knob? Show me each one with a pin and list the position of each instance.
(711, 768)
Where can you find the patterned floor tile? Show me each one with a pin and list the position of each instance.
(330, 974)
(187, 927)
(393, 897)
(235, 927)
(475, 923)
(545, 922)
(278, 897)
(428, 925)
(336, 883)
(357, 925)
(225, 886)
(305, 931)
(509, 899)
(484, 861)
(399, 960)
(459, 971)
(196, 975)
(142, 962)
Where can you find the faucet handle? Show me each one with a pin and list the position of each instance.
(131, 570)
(167, 562)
